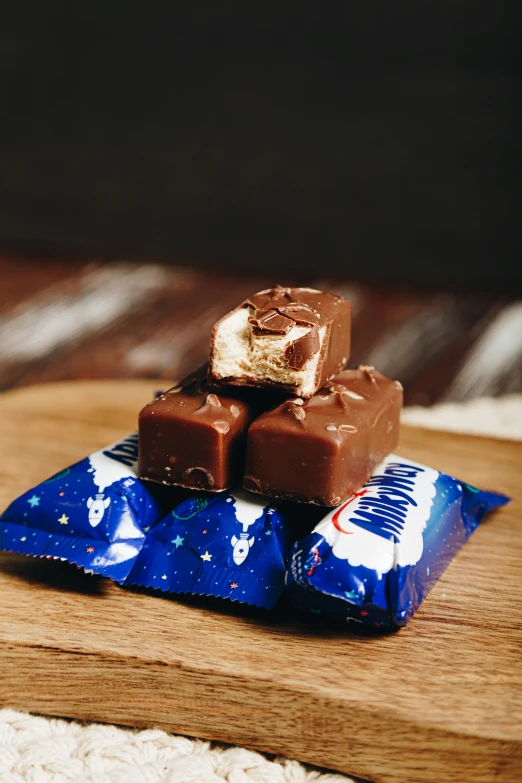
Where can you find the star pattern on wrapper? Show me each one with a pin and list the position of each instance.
(351, 595)
(364, 613)
(24, 538)
(178, 541)
(34, 501)
(63, 520)
(233, 585)
(164, 576)
(89, 549)
(207, 557)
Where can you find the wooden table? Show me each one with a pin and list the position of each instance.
(63, 319)
(441, 700)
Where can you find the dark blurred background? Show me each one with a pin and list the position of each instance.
(372, 149)
(380, 140)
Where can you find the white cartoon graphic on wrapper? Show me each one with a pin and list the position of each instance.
(97, 509)
(114, 463)
(241, 547)
(247, 512)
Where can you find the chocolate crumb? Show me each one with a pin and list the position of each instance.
(234, 410)
(368, 370)
(299, 413)
(337, 388)
(347, 428)
(221, 426)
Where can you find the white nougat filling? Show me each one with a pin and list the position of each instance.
(238, 352)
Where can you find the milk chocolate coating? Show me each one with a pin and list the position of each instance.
(278, 309)
(322, 449)
(275, 312)
(192, 437)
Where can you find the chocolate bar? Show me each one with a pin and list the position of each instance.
(372, 560)
(320, 450)
(229, 545)
(94, 513)
(291, 339)
(192, 437)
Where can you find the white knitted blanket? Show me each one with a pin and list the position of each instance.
(42, 750)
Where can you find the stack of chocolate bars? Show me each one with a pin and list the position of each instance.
(314, 435)
(209, 509)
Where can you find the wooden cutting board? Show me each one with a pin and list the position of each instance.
(440, 700)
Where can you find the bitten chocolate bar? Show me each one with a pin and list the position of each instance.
(194, 438)
(322, 449)
(292, 339)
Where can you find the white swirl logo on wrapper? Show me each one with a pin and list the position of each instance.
(381, 526)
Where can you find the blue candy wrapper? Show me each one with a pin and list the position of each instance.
(374, 559)
(227, 545)
(95, 513)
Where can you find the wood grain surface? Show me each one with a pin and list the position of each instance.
(151, 320)
(440, 700)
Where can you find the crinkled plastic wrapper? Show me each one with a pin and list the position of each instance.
(227, 545)
(374, 559)
(95, 513)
